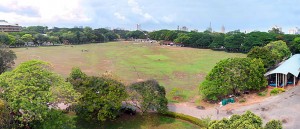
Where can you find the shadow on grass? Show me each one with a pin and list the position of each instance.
(129, 122)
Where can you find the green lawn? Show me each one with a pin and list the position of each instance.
(152, 121)
(173, 67)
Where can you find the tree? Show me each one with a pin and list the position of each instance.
(295, 46)
(55, 119)
(234, 41)
(7, 58)
(101, 96)
(31, 89)
(269, 59)
(4, 39)
(245, 121)
(149, 96)
(27, 38)
(280, 49)
(232, 75)
(273, 124)
(218, 40)
(276, 30)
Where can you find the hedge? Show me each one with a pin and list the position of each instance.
(203, 123)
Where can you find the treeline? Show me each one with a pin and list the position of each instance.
(39, 35)
(233, 41)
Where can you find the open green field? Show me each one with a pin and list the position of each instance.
(173, 67)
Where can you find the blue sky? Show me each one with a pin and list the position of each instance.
(246, 15)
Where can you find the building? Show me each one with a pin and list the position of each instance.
(223, 29)
(294, 31)
(287, 73)
(184, 28)
(7, 27)
(138, 27)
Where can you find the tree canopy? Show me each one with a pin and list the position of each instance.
(232, 75)
(149, 95)
(101, 96)
(7, 58)
(40, 89)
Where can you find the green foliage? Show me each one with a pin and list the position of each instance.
(263, 93)
(39, 87)
(273, 124)
(55, 119)
(6, 121)
(7, 58)
(150, 95)
(276, 91)
(266, 55)
(201, 122)
(280, 49)
(101, 96)
(295, 45)
(245, 121)
(234, 41)
(232, 75)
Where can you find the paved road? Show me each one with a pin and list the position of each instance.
(285, 107)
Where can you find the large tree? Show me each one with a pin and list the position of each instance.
(31, 90)
(232, 75)
(149, 96)
(7, 58)
(280, 49)
(101, 96)
(269, 59)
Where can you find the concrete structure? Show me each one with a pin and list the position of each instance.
(7, 27)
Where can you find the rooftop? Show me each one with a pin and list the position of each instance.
(292, 65)
(3, 22)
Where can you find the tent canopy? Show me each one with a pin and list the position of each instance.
(291, 65)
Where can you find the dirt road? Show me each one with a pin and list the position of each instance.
(284, 107)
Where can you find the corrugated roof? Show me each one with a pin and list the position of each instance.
(292, 65)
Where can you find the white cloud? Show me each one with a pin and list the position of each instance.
(135, 8)
(168, 19)
(119, 16)
(48, 11)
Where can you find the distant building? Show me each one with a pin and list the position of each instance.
(294, 31)
(138, 27)
(223, 29)
(7, 27)
(184, 28)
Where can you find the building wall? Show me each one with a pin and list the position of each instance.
(10, 28)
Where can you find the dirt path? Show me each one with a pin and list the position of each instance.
(284, 107)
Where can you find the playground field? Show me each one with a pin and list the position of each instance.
(179, 69)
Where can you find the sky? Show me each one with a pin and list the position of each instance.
(246, 15)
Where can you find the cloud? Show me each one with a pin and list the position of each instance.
(43, 11)
(168, 19)
(119, 16)
(135, 8)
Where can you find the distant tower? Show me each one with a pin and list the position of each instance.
(209, 28)
(178, 28)
(223, 29)
(138, 26)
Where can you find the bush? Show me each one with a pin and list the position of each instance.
(274, 124)
(200, 122)
(281, 89)
(263, 93)
(274, 91)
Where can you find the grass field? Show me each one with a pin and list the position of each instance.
(174, 67)
(151, 121)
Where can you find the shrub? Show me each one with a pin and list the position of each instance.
(274, 124)
(274, 91)
(281, 89)
(263, 93)
(200, 122)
